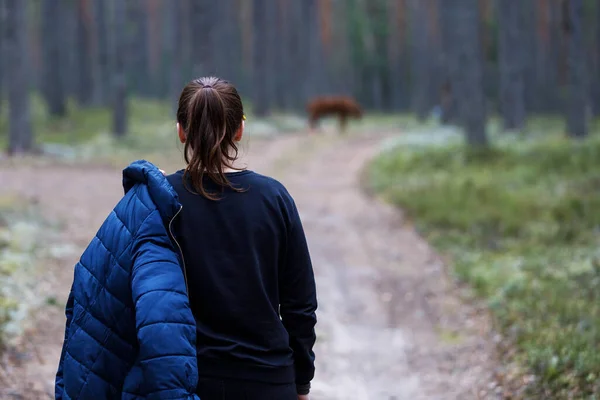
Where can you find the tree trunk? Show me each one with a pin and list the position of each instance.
(299, 53)
(102, 74)
(448, 103)
(316, 65)
(547, 89)
(225, 40)
(53, 86)
(578, 102)
(154, 23)
(70, 73)
(203, 36)
(421, 60)
(20, 126)
(557, 77)
(175, 54)
(2, 51)
(596, 98)
(272, 61)
(282, 56)
(85, 81)
(247, 43)
(119, 83)
(488, 27)
(138, 67)
(466, 66)
(303, 60)
(510, 60)
(261, 55)
(396, 53)
(342, 68)
(374, 74)
(530, 50)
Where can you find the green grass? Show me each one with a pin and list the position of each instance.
(152, 125)
(521, 222)
(83, 124)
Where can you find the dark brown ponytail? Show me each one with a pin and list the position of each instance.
(210, 112)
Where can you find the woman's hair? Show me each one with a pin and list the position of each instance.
(210, 112)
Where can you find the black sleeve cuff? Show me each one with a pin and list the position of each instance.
(303, 389)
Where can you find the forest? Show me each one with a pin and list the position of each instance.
(476, 58)
(488, 111)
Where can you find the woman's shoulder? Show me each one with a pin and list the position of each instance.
(266, 184)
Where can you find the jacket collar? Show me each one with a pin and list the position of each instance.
(162, 193)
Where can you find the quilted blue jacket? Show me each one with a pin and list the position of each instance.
(130, 332)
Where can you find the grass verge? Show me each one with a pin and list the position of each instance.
(521, 222)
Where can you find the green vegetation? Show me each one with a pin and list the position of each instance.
(19, 233)
(85, 133)
(521, 222)
(83, 124)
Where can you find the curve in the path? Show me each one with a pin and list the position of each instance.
(385, 302)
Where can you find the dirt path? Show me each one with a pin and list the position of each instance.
(390, 325)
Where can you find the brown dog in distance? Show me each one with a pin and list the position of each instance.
(343, 107)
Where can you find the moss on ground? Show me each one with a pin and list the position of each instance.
(521, 222)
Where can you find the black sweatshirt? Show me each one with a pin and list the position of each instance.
(251, 282)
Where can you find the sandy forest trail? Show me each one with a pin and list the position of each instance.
(387, 308)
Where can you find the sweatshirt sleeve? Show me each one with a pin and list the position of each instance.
(299, 301)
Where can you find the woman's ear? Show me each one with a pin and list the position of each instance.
(181, 133)
(240, 132)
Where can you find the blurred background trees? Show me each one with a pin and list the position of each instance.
(519, 220)
(463, 61)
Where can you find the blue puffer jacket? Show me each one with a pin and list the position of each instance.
(130, 332)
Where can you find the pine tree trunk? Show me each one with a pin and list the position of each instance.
(138, 67)
(282, 55)
(316, 66)
(175, 54)
(2, 50)
(261, 58)
(226, 41)
(421, 60)
(555, 79)
(70, 73)
(102, 55)
(374, 74)
(596, 98)
(343, 70)
(547, 90)
(85, 81)
(448, 104)
(53, 86)
(511, 63)
(299, 54)
(270, 52)
(578, 102)
(303, 61)
(466, 66)
(247, 43)
(202, 24)
(396, 54)
(17, 78)
(528, 43)
(119, 82)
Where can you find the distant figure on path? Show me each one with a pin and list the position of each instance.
(199, 285)
(343, 107)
